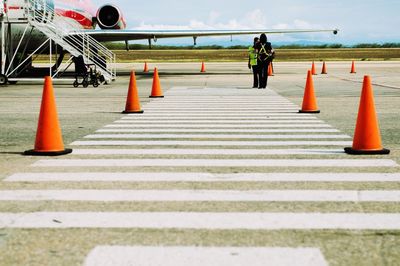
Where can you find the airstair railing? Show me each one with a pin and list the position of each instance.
(68, 33)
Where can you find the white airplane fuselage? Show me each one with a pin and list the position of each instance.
(16, 10)
(81, 15)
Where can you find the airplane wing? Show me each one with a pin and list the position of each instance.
(126, 35)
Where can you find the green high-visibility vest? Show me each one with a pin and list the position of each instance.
(252, 56)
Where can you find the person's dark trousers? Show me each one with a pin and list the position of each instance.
(263, 74)
(256, 74)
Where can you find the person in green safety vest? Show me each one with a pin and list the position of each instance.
(253, 62)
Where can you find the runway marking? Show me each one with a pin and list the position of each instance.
(202, 101)
(227, 111)
(225, 97)
(201, 195)
(203, 220)
(240, 99)
(240, 152)
(213, 118)
(244, 103)
(214, 163)
(228, 98)
(201, 256)
(222, 105)
(213, 131)
(230, 115)
(212, 126)
(207, 143)
(230, 122)
(188, 97)
(209, 136)
(183, 109)
(207, 111)
(225, 106)
(202, 177)
(229, 95)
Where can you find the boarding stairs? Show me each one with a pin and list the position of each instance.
(68, 34)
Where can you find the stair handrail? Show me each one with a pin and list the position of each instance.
(77, 42)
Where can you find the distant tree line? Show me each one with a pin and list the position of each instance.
(376, 45)
(122, 46)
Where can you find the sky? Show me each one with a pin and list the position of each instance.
(359, 21)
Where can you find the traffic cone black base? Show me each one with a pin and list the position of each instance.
(47, 153)
(156, 96)
(309, 112)
(361, 152)
(133, 112)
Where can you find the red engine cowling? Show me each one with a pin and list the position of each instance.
(109, 17)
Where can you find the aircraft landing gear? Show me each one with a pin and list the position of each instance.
(3, 80)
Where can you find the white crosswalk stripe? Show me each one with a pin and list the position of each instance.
(202, 177)
(253, 115)
(200, 256)
(175, 151)
(220, 136)
(203, 220)
(216, 130)
(208, 143)
(232, 122)
(202, 195)
(122, 124)
(215, 163)
(215, 118)
(229, 111)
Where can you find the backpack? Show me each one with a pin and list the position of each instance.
(264, 54)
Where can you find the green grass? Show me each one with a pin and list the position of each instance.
(229, 55)
(240, 55)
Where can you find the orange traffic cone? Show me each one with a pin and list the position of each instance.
(146, 68)
(367, 137)
(353, 68)
(270, 71)
(203, 67)
(132, 101)
(324, 71)
(309, 101)
(313, 71)
(156, 91)
(49, 140)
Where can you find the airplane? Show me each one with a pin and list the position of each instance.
(57, 27)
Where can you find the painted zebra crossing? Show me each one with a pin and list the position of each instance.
(215, 123)
(277, 121)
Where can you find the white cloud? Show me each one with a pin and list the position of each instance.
(359, 20)
(213, 17)
(255, 19)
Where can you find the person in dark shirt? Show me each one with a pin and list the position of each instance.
(265, 55)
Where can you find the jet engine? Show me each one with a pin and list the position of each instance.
(109, 17)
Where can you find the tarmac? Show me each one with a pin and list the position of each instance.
(215, 173)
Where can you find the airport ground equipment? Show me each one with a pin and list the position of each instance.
(86, 74)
